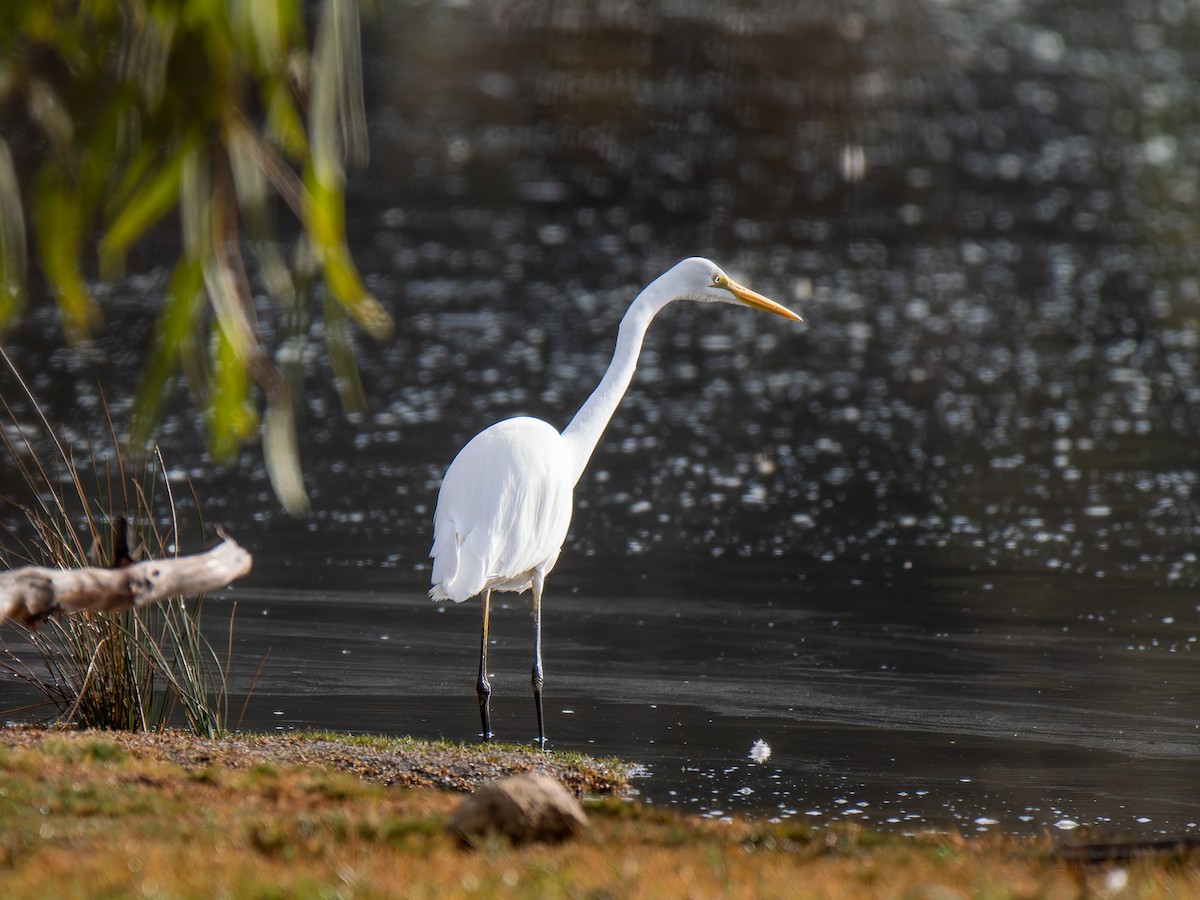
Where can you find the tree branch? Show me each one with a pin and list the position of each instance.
(31, 594)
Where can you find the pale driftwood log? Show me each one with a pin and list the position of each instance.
(32, 593)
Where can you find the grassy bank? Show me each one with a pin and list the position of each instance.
(99, 814)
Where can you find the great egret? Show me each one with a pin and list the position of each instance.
(505, 504)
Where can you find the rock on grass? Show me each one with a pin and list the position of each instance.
(523, 808)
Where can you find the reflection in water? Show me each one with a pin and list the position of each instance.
(938, 552)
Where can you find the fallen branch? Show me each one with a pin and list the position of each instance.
(33, 593)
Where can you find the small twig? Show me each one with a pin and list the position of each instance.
(286, 182)
(250, 690)
(229, 644)
(162, 467)
(86, 680)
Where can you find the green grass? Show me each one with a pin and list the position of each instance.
(492, 751)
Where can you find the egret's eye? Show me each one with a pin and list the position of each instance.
(718, 280)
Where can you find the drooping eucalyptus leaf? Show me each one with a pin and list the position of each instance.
(216, 108)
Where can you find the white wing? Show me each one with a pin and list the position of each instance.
(503, 510)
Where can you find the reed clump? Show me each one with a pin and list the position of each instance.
(135, 670)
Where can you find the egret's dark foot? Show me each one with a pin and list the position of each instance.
(484, 691)
(537, 703)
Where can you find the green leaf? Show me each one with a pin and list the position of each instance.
(11, 303)
(232, 417)
(100, 147)
(157, 195)
(324, 207)
(284, 122)
(58, 216)
(343, 281)
(281, 451)
(342, 358)
(173, 333)
(291, 21)
(12, 240)
(135, 172)
(324, 210)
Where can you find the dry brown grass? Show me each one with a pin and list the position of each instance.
(92, 815)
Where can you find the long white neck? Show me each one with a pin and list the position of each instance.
(584, 431)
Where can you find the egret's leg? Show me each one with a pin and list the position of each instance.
(484, 687)
(537, 659)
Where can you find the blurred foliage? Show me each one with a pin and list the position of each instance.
(217, 108)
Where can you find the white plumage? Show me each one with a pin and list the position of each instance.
(507, 477)
(505, 504)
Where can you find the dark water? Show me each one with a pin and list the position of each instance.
(938, 550)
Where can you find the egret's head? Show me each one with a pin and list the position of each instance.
(702, 279)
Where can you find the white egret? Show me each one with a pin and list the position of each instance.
(505, 504)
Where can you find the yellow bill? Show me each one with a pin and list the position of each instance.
(758, 301)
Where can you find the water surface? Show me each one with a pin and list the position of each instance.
(938, 550)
